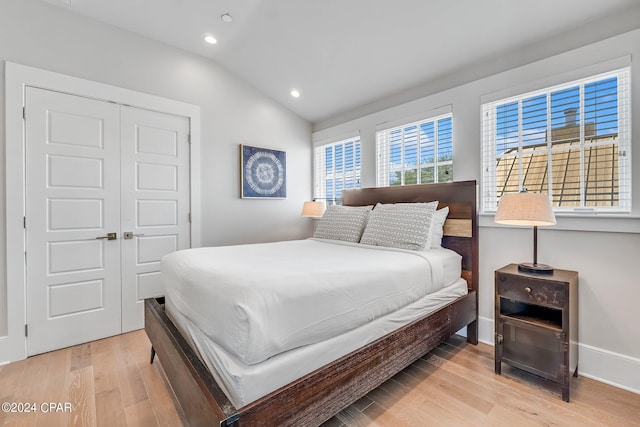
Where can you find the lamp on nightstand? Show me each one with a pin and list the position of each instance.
(532, 209)
(313, 209)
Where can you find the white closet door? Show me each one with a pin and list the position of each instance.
(72, 202)
(155, 203)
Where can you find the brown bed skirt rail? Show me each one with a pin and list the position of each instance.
(202, 402)
(314, 398)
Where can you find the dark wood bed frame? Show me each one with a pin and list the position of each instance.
(318, 396)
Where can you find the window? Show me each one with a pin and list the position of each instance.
(416, 153)
(570, 141)
(337, 168)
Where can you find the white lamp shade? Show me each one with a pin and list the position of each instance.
(532, 209)
(313, 209)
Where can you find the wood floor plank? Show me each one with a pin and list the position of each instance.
(350, 416)
(141, 414)
(498, 388)
(503, 417)
(109, 407)
(160, 396)
(34, 391)
(132, 387)
(11, 376)
(431, 405)
(104, 372)
(81, 356)
(396, 401)
(82, 397)
(109, 404)
(433, 385)
(585, 415)
(57, 388)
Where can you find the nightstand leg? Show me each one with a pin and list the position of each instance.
(498, 347)
(565, 393)
(575, 373)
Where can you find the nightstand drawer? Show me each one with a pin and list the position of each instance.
(527, 289)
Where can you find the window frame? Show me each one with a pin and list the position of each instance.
(320, 171)
(624, 162)
(383, 146)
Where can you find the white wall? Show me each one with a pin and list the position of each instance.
(606, 256)
(43, 36)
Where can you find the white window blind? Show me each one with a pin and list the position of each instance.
(337, 167)
(570, 141)
(416, 153)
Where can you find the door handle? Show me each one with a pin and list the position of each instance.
(109, 236)
(129, 235)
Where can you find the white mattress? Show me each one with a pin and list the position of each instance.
(244, 383)
(286, 295)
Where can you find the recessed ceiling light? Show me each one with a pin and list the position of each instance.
(295, 93)
(210, 39)
(226, 18)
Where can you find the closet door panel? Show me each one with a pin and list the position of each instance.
(72, 202)
(155, 203)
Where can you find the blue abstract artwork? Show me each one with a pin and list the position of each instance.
(263, 172)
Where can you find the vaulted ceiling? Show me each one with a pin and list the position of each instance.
(345, 54)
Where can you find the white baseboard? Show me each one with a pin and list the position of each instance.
(485, 330)
(606, 366)
(611, 368)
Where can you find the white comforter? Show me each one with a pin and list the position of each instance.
(259, 300)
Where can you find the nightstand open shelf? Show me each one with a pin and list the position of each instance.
(537, 323)
(531, 313)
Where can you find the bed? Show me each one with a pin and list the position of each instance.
(316, 396)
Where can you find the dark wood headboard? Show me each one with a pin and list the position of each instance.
(461, 227)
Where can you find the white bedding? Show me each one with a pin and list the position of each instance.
(296, 293)
(244, 384)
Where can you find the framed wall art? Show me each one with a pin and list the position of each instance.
(263, 173)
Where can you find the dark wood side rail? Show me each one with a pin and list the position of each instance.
(201, 399)
(318, 396)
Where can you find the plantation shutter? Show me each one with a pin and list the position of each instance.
(571, 141)
(415, 152)
(336, 168)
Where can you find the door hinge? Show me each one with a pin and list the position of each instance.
(26, 330)
(189, 138)
(24, 222)
(189, 216)
(24, 112)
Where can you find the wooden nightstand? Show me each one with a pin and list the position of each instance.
(536, 321)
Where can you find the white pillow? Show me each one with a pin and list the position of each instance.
(400, 225)
(342, 223)
(437, 232)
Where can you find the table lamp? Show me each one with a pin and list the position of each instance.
(529, 209)
(313, 209)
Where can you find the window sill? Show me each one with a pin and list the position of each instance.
(607, 223)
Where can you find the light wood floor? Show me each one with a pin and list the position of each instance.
(111, 383)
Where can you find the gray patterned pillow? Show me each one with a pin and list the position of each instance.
(343, 223)
(400, 225)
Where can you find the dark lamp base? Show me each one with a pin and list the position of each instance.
(528, 267)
